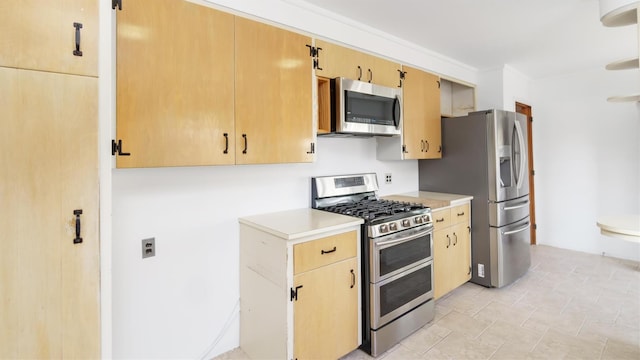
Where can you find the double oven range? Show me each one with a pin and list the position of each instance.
(397, 257)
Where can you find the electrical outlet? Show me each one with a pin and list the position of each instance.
(148, 247)
(481, 270)
(387, 178)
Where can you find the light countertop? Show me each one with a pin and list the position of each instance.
(434, 200)
(626, 227)
(300, 223)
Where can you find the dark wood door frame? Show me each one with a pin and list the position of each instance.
(526, 110)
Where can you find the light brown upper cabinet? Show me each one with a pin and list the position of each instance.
(175, 84)
(197, 86)
(338, 61)
(421, 131)
(273, 100)
(55, 36)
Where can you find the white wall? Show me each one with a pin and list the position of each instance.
(176, 303)
(183, 303)
(587, 159)
(501, 88)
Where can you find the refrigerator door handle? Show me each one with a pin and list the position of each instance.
(523, 228)
(522, 159)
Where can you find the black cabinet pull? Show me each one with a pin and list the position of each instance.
(353, 279)
(448, 241)
(370, 75)
(455, 241)
(439, 148)
(421, 145)
(244, 136)
(460, 214)
(322, 252)
(440, 220)
(312, 149)
(317, 60)
(426, 142)
(359, 72)
(78, 239)
(77, 51)
(226, 143)
(294, 293)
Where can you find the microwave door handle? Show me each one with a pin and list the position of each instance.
(396, 112)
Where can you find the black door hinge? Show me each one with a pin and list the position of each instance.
(533, 172)
(531, 119)
(535, 226)
(294, 293)
(402, 77)
(314, 52)
(313, 149)
(117, 3)
(116, 148)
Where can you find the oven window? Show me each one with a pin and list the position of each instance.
(402, 290)
(398, 256)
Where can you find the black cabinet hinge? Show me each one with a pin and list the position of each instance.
(294, 293)
(314, 53)
(117, 3)
(402, 77)
(116, 148)
(404, 149)
(312, 149)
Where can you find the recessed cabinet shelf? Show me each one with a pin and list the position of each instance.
(623, 64)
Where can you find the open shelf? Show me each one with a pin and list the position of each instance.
(624, 15)
(627, 98)
(623, 64)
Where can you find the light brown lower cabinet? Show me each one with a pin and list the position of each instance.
(299, 299)
(451, 248)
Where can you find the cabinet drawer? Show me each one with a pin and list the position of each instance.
(314, 254)
(460, 214)
(441, 219)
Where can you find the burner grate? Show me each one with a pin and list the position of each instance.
(370, 209)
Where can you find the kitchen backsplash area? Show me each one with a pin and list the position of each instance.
(186, 297)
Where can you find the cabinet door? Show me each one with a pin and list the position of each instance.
(326, 312)
(40, 35)
(339, 61)
(48, 169)
(273, 104)
(442, 267)
(421, 128)
(461, 254)
(174, 84)
(383, 72)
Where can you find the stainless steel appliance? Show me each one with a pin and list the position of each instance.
(485, 155)
(362, 108)
(397, 248)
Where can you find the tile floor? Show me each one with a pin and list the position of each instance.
(570, 305)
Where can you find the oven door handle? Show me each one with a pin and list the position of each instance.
(388, 243)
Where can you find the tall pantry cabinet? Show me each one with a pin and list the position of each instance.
(49, 263)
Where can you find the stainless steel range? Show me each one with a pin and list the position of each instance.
(397, 257)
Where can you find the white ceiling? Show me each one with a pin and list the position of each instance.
(540, 38)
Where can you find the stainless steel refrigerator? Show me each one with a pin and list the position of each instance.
(485, 155)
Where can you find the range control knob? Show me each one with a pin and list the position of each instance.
(384, 228)
(418, 220)
(393, 226)
(425, 219)
(406, 223)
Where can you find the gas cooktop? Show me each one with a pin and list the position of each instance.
(372, 209)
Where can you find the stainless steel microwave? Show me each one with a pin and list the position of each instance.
(362, 108)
